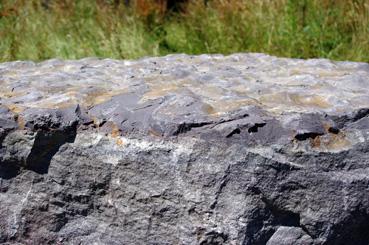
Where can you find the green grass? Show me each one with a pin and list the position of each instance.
(335, 29)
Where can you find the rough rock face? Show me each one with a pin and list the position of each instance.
(240, 149)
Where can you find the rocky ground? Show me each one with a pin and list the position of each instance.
(240, 149)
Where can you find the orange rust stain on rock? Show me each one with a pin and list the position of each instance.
(331, 142)
(116, 133)
(119, 142)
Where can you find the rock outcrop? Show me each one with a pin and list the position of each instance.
(210, 149)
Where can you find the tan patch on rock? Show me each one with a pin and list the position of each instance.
(21, 122)
(220, 107)
(295, 100)
(15, 108)
(101, 96)
(331, 142)
(159, 89)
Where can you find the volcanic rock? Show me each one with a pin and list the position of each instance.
(210, 149)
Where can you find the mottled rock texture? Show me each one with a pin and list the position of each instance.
(240, 149)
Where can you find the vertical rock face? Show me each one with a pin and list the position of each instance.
(240, 149)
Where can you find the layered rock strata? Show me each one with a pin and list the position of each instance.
(210, 149)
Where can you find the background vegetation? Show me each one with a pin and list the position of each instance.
(42, 29)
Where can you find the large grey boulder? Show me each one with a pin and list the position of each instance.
(210, 149)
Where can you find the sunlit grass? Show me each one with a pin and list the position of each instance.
(336, 29)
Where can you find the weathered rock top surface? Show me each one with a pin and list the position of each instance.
(199, 95)
(241, 149)
(220, 83)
